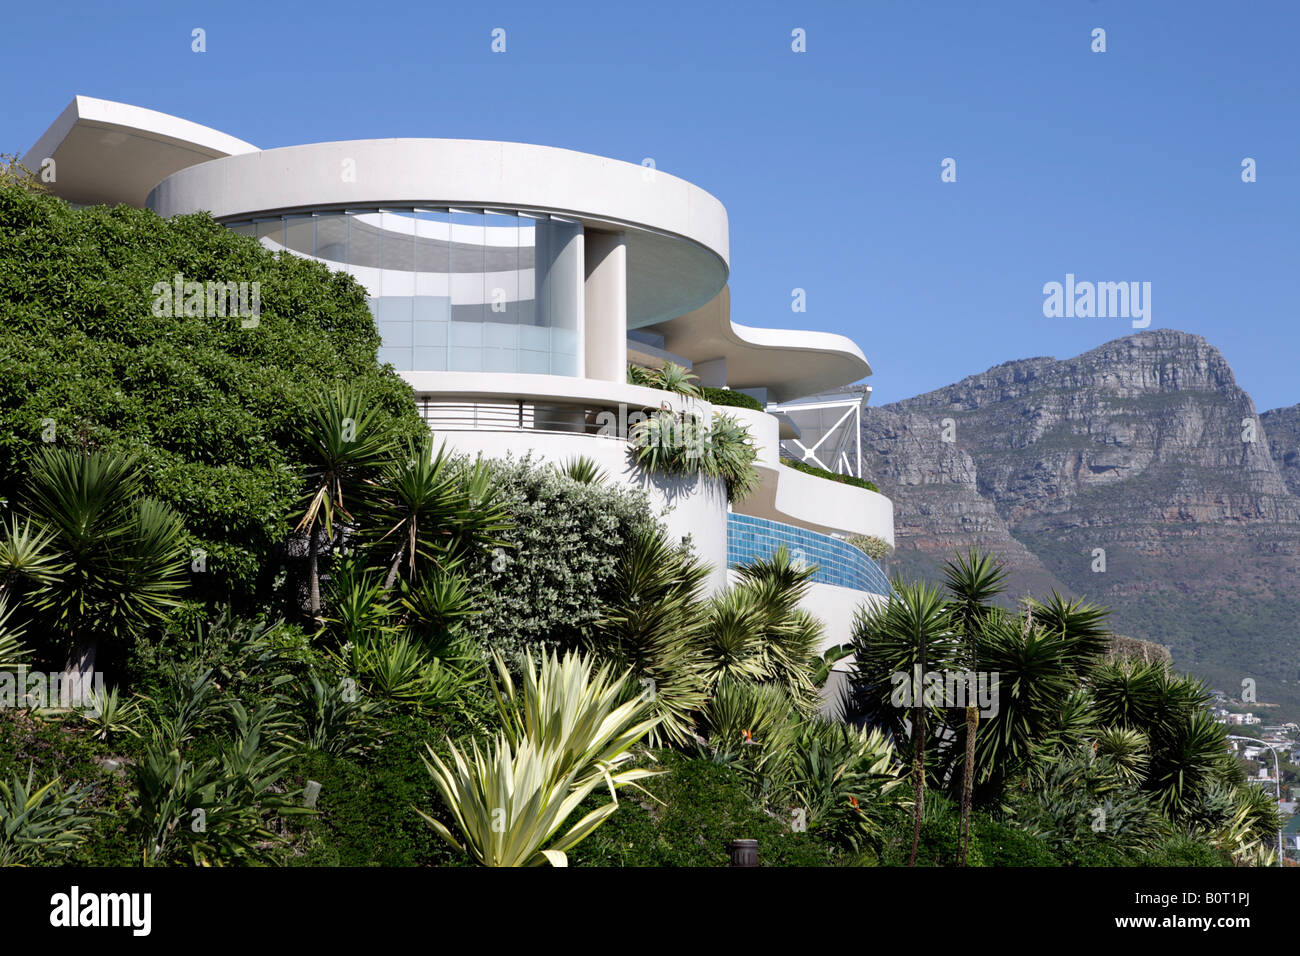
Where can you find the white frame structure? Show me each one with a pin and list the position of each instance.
(848, 427)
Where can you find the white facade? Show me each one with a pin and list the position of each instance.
(511, 284)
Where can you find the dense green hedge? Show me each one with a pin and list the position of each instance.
(823, 473)
(550, 580)
(209, 405)
(697, 807)
(730, 398)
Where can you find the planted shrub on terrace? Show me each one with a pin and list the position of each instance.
(682, 445)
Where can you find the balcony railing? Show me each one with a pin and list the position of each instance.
(520, 415)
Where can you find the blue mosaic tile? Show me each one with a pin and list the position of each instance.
(837, 562)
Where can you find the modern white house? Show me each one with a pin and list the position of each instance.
(512, 284)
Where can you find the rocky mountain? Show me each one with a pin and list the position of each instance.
(1138, 475)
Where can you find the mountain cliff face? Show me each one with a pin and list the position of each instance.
(1138, 475)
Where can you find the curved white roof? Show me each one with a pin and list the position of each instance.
(106, 152)
(789, 363)
(677, 234)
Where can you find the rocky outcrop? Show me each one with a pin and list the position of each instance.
(1137, 474)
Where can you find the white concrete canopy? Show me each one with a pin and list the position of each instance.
(789, 363)
(676, 234)
(106, 152)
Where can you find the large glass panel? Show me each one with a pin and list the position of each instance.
(468, 290)
(332, 238)
(397, 287)
(363, 239)
(530, 228)
(563, 288)
(432, 304)
(454, 289)
(300, 235)
(270, 232)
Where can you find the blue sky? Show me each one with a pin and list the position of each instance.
(1115, 166)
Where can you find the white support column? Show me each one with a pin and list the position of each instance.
(605, 341)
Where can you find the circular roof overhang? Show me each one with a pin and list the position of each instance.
(676, 233)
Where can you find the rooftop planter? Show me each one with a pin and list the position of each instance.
(833, 476)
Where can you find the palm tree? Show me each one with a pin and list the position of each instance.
(435, 510)
(894, 641)
(347, 440)
(652, 626)
(974, 580)
(116, 557)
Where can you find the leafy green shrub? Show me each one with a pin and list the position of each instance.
(1003, 845)
(731, 398)
(547, 585)
(694, 809)
(877, 549)
(833, 476)
(209, 406)
(1184, 851)
(940, 843)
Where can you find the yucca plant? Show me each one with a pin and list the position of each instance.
(435, 606)
(652, 624)
(27, 554)
(39, 823)
(335, 719)
(117, 557)
(583, 470)
(910, 632)
(973, 580)
(12, 650)
(565, 734)
(430, 509)
(358, 602)
(109, 715)
(1127, 750)
(732, 643)
(347, 440)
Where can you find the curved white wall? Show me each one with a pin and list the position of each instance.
(687, 506)
(677, 234)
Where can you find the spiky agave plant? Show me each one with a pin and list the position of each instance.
(566, 732)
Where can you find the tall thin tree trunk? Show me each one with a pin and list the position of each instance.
(392, 571)
(918, 778)
(968, 776)
(313, 552)
(918, 771)
(79, 671)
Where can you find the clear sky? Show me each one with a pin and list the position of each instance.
(1115, 166)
